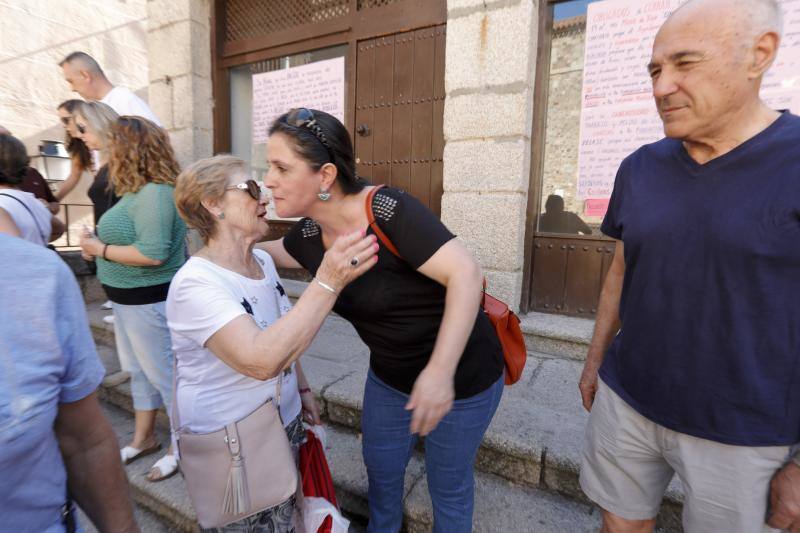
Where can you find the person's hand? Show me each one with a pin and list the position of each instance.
(310, 408)
(588, 382)
(431, 399)
(91, 246)
(337, 269)
(784, 499)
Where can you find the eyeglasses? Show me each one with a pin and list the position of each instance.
(81, 128)
(303, 118)
(254, 188)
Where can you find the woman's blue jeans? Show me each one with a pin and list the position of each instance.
(450, 451)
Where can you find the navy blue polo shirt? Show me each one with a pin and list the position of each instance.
(710, 307)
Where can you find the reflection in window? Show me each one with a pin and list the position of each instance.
(561, 209)
(241, 91)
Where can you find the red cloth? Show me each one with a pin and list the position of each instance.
(316, 476)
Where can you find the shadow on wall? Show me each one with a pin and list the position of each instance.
(31, 82)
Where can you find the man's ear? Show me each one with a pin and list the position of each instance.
(329, 173)
(763, 54)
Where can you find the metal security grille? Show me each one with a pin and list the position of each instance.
(248, 19)
(366, 4)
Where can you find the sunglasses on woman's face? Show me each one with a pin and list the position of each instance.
(254, 188)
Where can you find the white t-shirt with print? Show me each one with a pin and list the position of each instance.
(204, 297)
(125, 102)
(35, 223)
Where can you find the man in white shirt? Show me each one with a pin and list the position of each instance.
(86, 78)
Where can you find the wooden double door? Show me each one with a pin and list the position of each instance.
(399, 111)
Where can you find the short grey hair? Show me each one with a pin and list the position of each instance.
(767, 16)
(87, 61)
(761, 16)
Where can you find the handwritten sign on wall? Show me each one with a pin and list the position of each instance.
(618, 114)
(318, 85)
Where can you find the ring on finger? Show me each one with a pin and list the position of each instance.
(354, 262)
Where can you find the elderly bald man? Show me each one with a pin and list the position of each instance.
(694, 367)
(85, 77)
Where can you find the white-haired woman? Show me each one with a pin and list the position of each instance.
(234, 332)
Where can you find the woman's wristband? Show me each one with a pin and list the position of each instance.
(304, 390)
(105, 248)
(326, 286)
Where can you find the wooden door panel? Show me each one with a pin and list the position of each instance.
(365, 100)
(422, 114)
(550, 262)
(402, 104)
(384, 88)
(582, 284)
(401, 111)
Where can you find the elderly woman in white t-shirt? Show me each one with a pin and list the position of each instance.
(234, 331)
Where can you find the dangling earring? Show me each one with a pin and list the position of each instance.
(324, 196)
(221, 216)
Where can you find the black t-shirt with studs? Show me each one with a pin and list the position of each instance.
(396, 310)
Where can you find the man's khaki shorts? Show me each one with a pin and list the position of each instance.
(628, 461)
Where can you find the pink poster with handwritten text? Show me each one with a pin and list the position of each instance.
(617, 112)
(318, 85)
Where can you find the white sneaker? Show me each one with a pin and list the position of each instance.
(106, 305)
(108, 319)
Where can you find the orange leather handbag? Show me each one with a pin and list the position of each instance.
(504, 320)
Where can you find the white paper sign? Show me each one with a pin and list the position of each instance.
(318, 85)
(618, 114)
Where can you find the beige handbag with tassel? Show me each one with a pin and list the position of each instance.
(239, 470)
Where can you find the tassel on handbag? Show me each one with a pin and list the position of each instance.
(236, 500)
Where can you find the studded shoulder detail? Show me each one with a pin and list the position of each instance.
(310, 228)
(384, 206)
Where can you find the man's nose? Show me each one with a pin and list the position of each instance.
(664, 84)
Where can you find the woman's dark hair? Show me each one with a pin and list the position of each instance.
(337, 147)
(13, 160)
(76, 148)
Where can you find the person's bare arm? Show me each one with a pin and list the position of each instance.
(57, 228)
(95, 476)
(279, 255)
(262, 354)
(7, 224)
(75, 173)
(606, 326)
(92, 247)
(454, 267)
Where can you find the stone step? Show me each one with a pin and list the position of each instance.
(147, 521)
(534, 440)
(167, 503)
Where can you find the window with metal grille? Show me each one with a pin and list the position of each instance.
(248, 19)
(366, 4)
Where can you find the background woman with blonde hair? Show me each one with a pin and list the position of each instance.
(139, 247)
(93, 121)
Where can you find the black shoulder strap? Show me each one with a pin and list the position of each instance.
(38, 227)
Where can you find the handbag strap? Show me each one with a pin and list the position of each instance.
(374, 225)
(28, 209)
(385, 238)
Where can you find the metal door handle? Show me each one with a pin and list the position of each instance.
(363, 130)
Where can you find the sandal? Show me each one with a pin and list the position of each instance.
(129, 454)
(164, 468)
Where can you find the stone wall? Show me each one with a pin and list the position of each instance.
(563, 114)
(179, 44)
(489, 76)
(35, 35)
